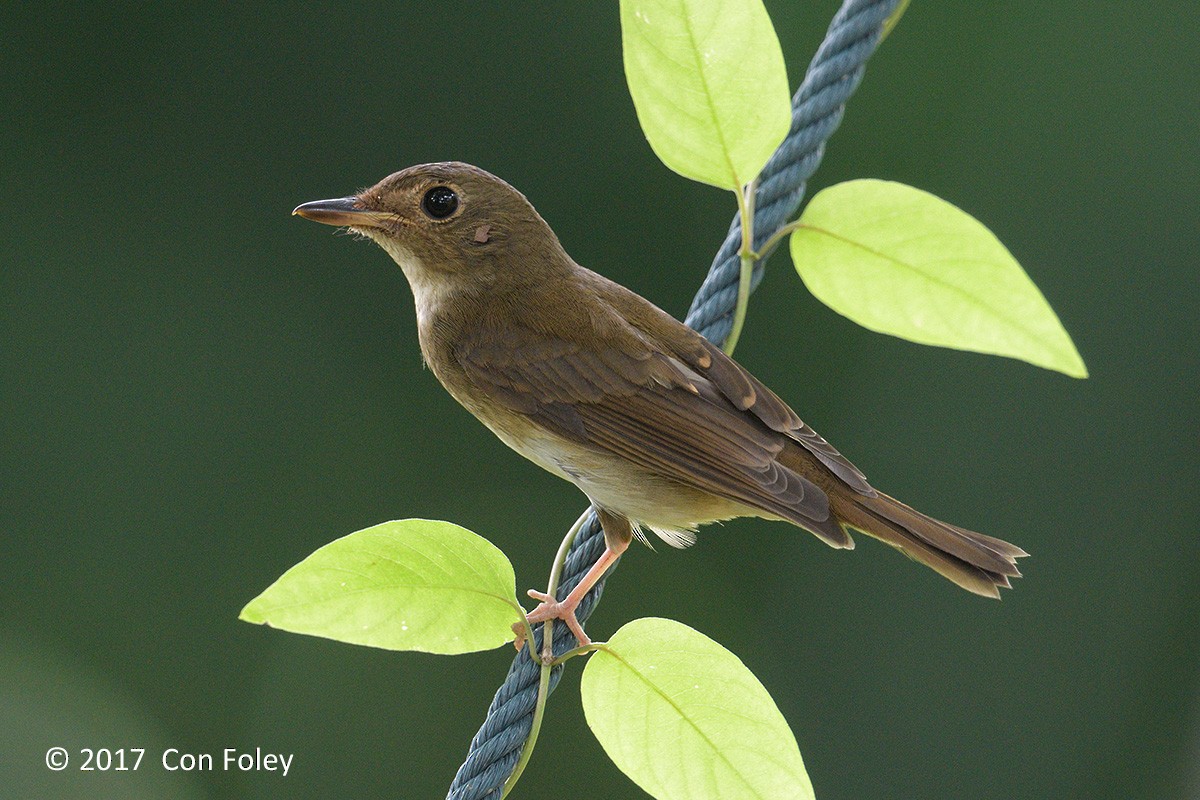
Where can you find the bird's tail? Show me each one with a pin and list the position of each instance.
(978, 563)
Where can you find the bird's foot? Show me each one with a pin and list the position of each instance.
(550, 608)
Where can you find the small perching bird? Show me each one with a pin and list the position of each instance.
(657, 426)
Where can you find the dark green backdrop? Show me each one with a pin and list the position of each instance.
(198, 390)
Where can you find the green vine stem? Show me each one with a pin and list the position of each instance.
(546, 658)
(539, 710)
(747, 257)
(556, 569)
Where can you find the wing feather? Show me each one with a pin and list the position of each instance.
(649, 407)
(749, 394)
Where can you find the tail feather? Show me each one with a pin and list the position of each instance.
(991, 542)
(978, 563)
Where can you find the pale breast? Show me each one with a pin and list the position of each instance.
(613, 482)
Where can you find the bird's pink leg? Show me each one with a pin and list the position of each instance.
(565, 610)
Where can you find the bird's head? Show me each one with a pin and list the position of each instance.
(448, 225)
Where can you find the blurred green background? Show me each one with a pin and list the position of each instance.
(198, 390)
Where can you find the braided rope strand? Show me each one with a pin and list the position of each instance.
(817, 108)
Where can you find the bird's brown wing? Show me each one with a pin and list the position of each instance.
(635, 399)
(728, 377)
(749, 394)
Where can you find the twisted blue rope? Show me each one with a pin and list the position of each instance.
(817, 109)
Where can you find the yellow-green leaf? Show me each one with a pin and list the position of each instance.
(709, 85)
(684, 718)
(413, 584)
(901, 261)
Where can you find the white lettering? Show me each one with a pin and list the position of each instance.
(173, 760)
(258, 761)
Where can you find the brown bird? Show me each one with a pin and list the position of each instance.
(656, 425)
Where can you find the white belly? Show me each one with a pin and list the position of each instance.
(670, 509)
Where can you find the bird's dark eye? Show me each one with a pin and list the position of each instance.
(440, 202)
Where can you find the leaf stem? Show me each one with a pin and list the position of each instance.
(747, 257)
(579, 651)
(778, 236)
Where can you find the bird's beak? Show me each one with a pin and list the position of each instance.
(342, 211)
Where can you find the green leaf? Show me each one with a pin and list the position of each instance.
(684, 718)
(413, 584)
(900, 261)
(709, 84)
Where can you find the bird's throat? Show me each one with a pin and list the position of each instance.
(433, 289)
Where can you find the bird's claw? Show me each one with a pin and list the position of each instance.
(550, 608)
